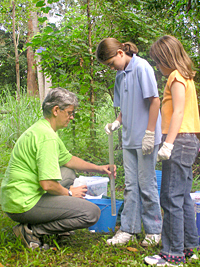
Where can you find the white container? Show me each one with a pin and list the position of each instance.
(80, 181)
(96, 185)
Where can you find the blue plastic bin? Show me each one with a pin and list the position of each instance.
(106, 221)
(197, 206)
(198, 219)
(159, 179)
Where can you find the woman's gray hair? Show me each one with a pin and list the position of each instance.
(58, 97)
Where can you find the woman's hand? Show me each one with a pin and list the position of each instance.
(107, 169)
(79, 191)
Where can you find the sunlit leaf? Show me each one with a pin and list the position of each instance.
(46, 9)
(42, 20)
(40, 4)
(48, 29)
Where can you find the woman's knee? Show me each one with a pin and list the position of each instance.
(68, 176)
(93, 214)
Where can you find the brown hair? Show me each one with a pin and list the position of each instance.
(169, 52)
(108, 48)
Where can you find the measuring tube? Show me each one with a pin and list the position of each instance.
(112, 179)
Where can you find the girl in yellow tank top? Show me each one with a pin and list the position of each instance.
(180, 124)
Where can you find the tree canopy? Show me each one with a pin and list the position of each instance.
(67, 49)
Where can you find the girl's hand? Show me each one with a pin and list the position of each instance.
(148, 142)
(110, 127)
(165, 151)
(78, 191)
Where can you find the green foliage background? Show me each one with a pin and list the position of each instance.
(67, 60)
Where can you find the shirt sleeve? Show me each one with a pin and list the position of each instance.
(147, 80)
(48, 160)
(175, 76)
(64, 155)
(116, 101)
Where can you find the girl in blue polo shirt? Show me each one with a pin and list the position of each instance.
(136, 94)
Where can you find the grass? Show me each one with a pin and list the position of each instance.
(81, 249)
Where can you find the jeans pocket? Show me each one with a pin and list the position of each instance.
(188, 155)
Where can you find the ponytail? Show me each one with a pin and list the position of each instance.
(108, 48)
(129, 49)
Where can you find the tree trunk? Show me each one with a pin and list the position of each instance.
(40, 76)
(47, 80)
(44, 83)
(16, 51)
(47, 85)
(32, 86)
(92, 98)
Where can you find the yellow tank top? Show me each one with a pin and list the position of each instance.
(190, 123)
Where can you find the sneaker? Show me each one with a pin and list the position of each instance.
(120, 238)
(64, 237)
(192, 257)
(26, 235)
(66, 234)
(151, 239)
(156, 260)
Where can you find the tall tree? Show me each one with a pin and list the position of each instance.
(32, 85)
(16, 43)
(91, 71)
(14, 19)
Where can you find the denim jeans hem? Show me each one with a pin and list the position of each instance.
(153, 233)
(198, 247)
(172, 253)
(129, 231)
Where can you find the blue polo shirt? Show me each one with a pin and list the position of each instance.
(133, 87)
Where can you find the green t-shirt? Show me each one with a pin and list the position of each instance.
(37, 155)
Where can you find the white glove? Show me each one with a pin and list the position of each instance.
(148, 142)
(112, 126)
(165, 151)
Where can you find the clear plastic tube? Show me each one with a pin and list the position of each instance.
(112, 179)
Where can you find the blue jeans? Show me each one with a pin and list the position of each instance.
(141, 199)
(179, 228)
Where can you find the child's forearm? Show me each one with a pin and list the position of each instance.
(174, 127)
(153, 113)
(119, 118)
(178, 100)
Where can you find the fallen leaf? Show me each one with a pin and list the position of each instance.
(52, 248)
(132, 249)
(1, 265)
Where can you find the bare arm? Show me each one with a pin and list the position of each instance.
(153, 113)
(178, 101)
(82, 165)
(55, 188)
(119, 118)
